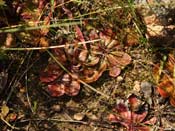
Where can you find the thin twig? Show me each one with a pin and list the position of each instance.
(27, 28)
(72, 121)
(44, 48)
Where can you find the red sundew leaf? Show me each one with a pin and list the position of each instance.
(129, 115)
(60, 55)
(79, 34)
(108, 32)
(92, 60)
(122, 58)
(134, 102)
(112, 60)
(105, 38)
(162, 92)
(151, 121)
(73, 89)
(56, 90)
(46, 77)
(121, 108)
(51, 73)
(66, 79)
(118, 59)
(165, 88)
(90, 75)
(114, 71)
(138, 118)
(83, 55)
(117, 119)
(131, 120)
(41, 5)
(113, 118)
(126, 116)
(93, 35)
(26, 15)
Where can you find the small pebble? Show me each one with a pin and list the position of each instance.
(146, 88)
(79, 116)
(119, 78)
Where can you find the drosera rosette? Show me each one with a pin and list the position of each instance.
(60, 82)
(133, 121)
(106, 54)
(83, 62)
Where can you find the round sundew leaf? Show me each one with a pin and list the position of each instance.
(112, 60)
(52, 72)
(134, 102)
(93, 35)
(60, 55)
(114, 71)
(122, 58)
(90, 74)
(92, 60)
(83, 55)
(66, 79)
(113, 118)
(46, 77)
(73, 89)
(56, 90)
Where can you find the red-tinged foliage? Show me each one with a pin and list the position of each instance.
(59, 82)
(86, 62)
(134, 102)
(51, 73)
(67, 85)
(166, 83)
(108, 52)
(131, 120)
(56, 89)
